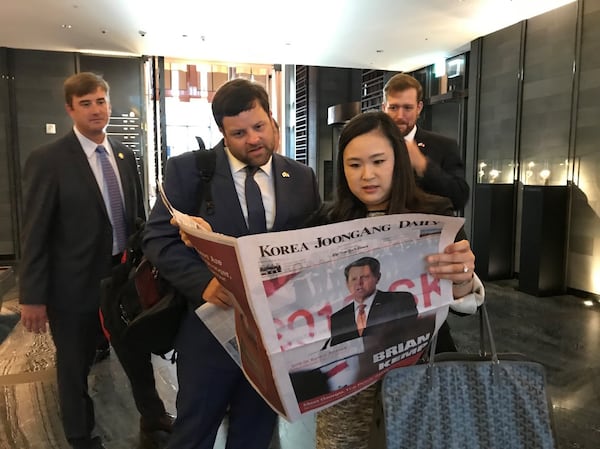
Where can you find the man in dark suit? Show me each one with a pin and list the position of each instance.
(373, 314)
(210, 382)
(82, 197)
(435, 158)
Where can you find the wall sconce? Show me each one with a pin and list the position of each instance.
(545, 174)
(494, 174)
(481, 172)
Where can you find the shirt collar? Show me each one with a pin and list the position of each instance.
(411, 134)
(367, 302)
(89, 146)
(237, 165)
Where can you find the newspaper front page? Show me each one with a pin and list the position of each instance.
(294, 331)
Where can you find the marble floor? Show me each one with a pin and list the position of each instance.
(562, 332)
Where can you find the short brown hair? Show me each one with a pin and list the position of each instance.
(82, 84)
(401, 82)
(370, 262)
(237, 96)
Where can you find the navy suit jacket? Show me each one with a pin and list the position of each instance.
(296, 197)
(67, 235)
(445, 173)
(386, 309)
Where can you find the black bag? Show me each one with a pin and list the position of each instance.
(136, 304)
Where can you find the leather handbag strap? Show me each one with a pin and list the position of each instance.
(485, 329)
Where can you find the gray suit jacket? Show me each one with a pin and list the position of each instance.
(296, 197)
(67, 234)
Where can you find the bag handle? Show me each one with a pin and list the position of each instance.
(484, 328)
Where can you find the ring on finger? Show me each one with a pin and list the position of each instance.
(465, 268)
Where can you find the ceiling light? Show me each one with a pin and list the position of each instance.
(66, 26)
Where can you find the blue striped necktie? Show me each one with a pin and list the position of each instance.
(256, 209)
(117, 213)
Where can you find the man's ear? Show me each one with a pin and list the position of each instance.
(419, 108)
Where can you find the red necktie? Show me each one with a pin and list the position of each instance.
(361, 319)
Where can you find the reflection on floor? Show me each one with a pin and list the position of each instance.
(561, 332)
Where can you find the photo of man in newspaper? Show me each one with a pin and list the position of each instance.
(388, 324)
(373, 312)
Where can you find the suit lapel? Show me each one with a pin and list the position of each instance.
(420, 138)
(224, 192)
(283, 185)
(375, 311)
(80, 161)
(348, 318)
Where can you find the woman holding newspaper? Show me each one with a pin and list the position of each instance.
(375, 178)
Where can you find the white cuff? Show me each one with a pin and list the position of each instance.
(468, 304)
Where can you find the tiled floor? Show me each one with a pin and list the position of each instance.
(561, 332)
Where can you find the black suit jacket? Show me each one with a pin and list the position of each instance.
(67, 234)
(382, 321)
(445, 173)
(296, 197)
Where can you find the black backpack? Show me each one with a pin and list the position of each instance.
(137, 305)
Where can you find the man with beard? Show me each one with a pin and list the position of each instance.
(435, 158)
(246, 170)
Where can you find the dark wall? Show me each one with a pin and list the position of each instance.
(498, 96)
(31, 98)
(446, 119)
(494, 98)
(583, 271)
(328, 86)
(7, 227)
(39, 99)
(548, 88)
(534, 111)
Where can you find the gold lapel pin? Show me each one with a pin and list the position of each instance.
(285, 174)
(121, 156)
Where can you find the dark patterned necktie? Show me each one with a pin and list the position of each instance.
(256, 210)
(117, 212)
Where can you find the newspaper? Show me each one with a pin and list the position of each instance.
(294, 318)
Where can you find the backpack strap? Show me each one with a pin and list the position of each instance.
(206, 161)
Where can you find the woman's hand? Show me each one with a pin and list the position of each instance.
(456, 263)
(200, 222)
